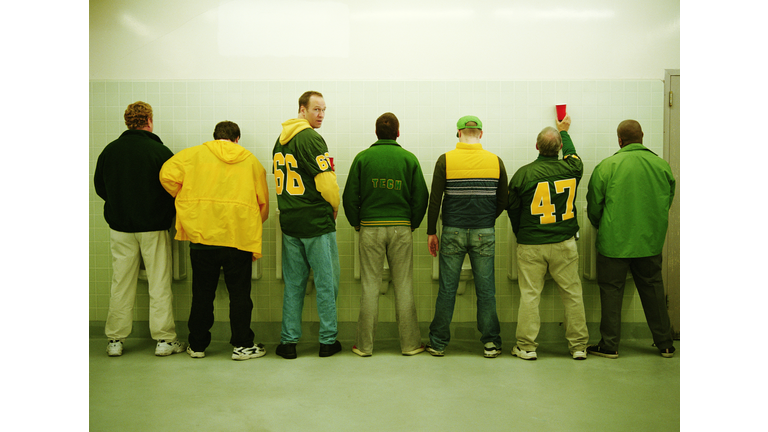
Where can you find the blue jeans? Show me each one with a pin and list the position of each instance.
(480, 244)
(321, 254)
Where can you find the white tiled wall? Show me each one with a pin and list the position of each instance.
(513, 112)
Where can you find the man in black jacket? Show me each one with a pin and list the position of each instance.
(139, 213)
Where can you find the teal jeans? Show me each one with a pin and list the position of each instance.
(321, 254)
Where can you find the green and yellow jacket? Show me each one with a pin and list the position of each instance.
(474, 182)
(385, 187)
(542, 197)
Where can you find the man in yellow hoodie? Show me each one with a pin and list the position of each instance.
(308, 199)
(222, 200)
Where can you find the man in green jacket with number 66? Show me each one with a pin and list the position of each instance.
(628, 200)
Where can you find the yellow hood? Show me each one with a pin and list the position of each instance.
(227, 151)
(291, 128)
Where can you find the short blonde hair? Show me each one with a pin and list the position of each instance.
(138, 115)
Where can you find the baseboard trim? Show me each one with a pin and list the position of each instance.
(269, 332)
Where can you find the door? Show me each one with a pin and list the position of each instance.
(671, 264)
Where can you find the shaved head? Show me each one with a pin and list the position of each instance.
(629, 132)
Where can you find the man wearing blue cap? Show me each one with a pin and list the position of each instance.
(471, 185)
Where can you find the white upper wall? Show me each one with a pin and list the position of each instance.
(393, 40)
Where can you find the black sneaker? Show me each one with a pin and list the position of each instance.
(327, 350)
(667, 353)
(286, 351)
(602, 352)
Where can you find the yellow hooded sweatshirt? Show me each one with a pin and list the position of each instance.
(221, 195)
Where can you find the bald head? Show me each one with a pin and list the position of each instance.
(548, 142)
(629, 132)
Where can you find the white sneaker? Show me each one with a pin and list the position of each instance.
(195, 354)
(115, 348)
(525, 355)
(579, 355)
(490, 350)
(167, 348)
(243, 353)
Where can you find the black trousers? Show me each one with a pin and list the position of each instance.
(206, 266)
(646, 272)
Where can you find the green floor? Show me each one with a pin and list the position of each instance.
(639, 391)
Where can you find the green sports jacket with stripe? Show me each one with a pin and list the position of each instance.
(542, 197)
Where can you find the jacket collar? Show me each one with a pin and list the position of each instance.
(634, 147)
(385, 142)
(138, 132)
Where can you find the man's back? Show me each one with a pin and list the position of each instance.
(474, 182)
(628, 200)
(296, 163)
(221, 195)
(126, 177)
(542, 196)
(386, 187)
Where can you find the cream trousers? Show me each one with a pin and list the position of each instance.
(562, 260)
(155, 248)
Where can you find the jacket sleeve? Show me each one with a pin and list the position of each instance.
(570, 156)
(419, 196)
(595, 197)
(351, 198)
(436, 195)
(172, 175)
(98, 179)
(262, 192)
(513, 207)
(328, 187)
(502, 191)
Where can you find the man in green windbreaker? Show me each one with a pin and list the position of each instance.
(628, 200)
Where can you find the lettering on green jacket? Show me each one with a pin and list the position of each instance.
(387, 184)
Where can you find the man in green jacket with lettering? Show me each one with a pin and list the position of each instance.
(543, 216)
(628, 200)
(385, 199)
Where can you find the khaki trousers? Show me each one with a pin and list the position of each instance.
(394, 243)
(562, 260)
(155, 248)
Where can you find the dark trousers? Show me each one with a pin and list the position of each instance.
(206, 266)
(646, 272)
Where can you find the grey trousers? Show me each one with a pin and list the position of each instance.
(611, 277)
(395, 243)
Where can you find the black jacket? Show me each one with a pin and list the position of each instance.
(127, 178)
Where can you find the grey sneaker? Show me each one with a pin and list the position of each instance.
(360, 353)
(115, 348)
(167, 348)
(525, 355)
(579, 355)
(490, 350)
(414, 352)
(243, 353)
(434, 352)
